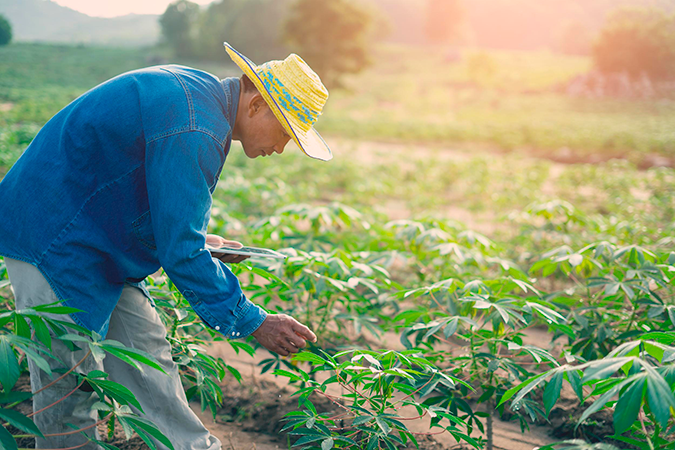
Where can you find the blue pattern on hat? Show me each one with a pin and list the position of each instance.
(287, 100)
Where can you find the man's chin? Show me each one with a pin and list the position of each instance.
(251, 154)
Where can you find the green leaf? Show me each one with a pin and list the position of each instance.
(451, 327)
(53, 308)
(9, 366)
(117, 348)
(116, 391)
(144, 425)
(602, 401)
(307, 439)
(525, 387)
(20, 421)
(327, 444)
(574, 380)
(14, 396)
(41, 331)
(7, 442)
(361, 420)
(604, 368)
(660, 396)
(21, 327)
(309, 357)
(552, 391)
(628, 406)
(384, 426)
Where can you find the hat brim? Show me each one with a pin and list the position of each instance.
(310, 142)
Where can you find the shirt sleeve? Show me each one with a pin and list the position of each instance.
(181, 171)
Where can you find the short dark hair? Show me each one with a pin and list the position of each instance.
(248, 84)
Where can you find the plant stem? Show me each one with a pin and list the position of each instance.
(489, 424)
(68, 448)
(55, 381)
(67, 432)
(58, 401)
(644, 430)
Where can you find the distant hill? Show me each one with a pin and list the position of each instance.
(46, 21)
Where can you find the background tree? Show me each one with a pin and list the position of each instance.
(331, 35)
(252, 26)
(178, 26)
(444, 20)
(5, 31)
(636, 41)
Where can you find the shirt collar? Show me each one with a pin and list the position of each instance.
(231, 89)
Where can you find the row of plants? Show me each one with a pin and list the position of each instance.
(462, 307)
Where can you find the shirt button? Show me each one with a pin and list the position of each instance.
(217, 327)
(238, 333)
(233, 333)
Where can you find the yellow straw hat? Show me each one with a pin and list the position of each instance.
(295, 95)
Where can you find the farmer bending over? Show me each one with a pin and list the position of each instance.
(117, 185)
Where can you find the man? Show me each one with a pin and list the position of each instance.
(119, 183)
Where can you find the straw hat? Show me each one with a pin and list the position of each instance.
(295, 95)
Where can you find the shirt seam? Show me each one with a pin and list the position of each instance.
(187, 94)
(195, 130)
(228, 99)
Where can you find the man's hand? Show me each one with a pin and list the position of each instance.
(283, 334)
(216, 241)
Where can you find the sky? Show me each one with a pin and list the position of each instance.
(112, 8)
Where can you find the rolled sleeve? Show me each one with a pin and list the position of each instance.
(180, 172)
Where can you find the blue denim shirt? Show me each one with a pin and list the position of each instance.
(119, 183)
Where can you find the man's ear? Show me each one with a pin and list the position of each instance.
(256, 105)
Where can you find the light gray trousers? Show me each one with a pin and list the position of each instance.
(135, 323)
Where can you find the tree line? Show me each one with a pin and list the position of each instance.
(333, 36)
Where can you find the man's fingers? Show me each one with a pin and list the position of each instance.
(231, 244)
(304, 332)
(296, 342)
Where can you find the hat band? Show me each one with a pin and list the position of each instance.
(287, 100)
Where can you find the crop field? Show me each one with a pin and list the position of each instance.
(457, 274)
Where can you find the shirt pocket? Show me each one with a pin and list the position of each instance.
(143, 230)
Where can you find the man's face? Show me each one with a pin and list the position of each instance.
(261, 133)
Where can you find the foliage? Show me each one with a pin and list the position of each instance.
(637, 41)
(253, 27)
(178, 26)
(331, 35)
(17, 347)
(370, 414)
(5, 31)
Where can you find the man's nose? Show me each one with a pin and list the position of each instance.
(279, 148)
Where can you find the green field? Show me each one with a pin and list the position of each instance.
(445, 222)
(508, 100)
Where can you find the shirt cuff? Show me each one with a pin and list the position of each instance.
(250, 317)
